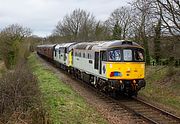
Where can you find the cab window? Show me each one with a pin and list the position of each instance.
(139, 55)
(127, 54)
(114, 55)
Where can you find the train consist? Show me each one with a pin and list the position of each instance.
(112, 66)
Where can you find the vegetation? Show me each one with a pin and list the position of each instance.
(148, 22)
(120, 20)
(11, 39)
(76, 26)
(117, 32)
(152, 23)
(19, 91)
(2, 68)
(19, 96)
(163, 87)
(63, 104)
(157, 36)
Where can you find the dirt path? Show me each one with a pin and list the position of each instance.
(107, 111)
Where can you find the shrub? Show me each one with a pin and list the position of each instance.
(19, 92)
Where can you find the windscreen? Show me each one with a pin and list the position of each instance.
(127, 54)
(138, 55)
(114, 55)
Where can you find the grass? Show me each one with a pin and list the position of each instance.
(162, 87)
(64, 105)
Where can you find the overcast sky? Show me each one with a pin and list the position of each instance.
(42, 15)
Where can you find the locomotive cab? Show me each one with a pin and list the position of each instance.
(125, 68)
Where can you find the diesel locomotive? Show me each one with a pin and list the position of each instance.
(116, 66)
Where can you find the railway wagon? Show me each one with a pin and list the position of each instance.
(46, 51)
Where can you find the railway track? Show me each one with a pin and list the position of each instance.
(116, 105)
(149, 112)
(143, 112)
(138, 110)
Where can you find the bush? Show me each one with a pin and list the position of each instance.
(19, 92)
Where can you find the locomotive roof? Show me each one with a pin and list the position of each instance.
(47, 45)
(63, 45)
(96, 45)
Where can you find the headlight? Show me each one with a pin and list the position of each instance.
(115, 74)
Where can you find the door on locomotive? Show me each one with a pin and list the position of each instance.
(96, 61)
(103, 59)
(99, 59)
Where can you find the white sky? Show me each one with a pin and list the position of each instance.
(43, 15)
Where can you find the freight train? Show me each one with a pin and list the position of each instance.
(116, 66)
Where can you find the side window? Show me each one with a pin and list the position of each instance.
(65, 50)
(89, 56)
(96, 59)
(127, 54)
(55, 53)
(60, 53)
(104, 56)
(75, 53)
(83, 55)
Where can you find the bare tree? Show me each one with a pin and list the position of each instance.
(169, 11)
(79, 25)
(157, 38)
(122, 17)
(101, 32)
(11, 38)
(142, 23)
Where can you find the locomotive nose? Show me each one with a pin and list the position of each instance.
(134, 72)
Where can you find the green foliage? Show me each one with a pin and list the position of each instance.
(11, 58)
(64, 104)
(146, 48)
(117, 32)
(11, 39)
(100, 32)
